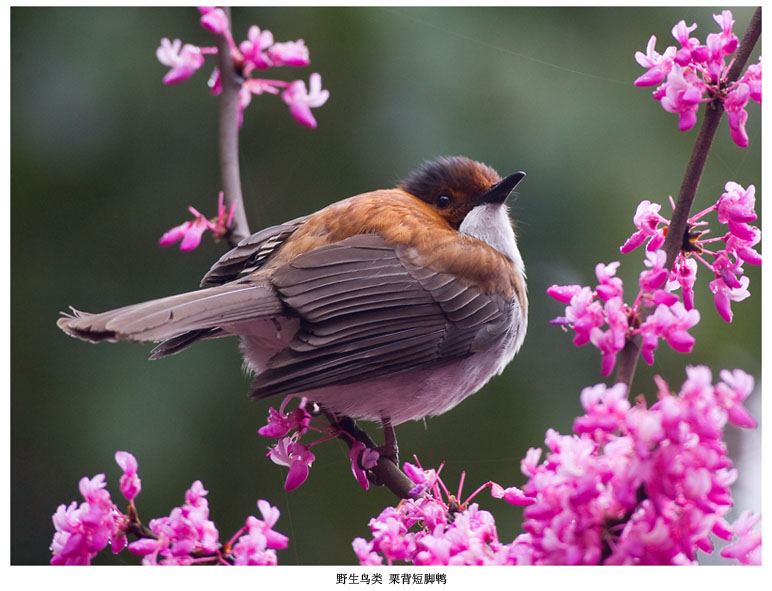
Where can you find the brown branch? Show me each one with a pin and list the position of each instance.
(385, 472)
(628, 360)
(231, 82)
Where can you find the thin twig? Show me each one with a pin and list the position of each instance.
(628, 360)
(229, 137)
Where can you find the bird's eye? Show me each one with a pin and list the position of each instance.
(443, 201)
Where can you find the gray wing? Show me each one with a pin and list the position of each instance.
(251, 253)
(367, 312)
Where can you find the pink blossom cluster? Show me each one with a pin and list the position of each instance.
(602, 317)
(289, 427)
(82, 531)
(258, 52)
(736, 209)
(185, 533)
(186, 536)
(430, 529)
(638, 485)
(697, 73)
(189, 233)
(633, 485)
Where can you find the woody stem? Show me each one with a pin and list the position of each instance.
(231, 82)
(628, 360)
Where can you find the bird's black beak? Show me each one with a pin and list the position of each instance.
(499, 192)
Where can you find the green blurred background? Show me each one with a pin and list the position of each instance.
(105, 159)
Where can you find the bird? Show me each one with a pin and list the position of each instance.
(388, 306)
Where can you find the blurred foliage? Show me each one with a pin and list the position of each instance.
(105, 159)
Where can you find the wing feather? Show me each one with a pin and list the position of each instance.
(251, 253)
(368, 312)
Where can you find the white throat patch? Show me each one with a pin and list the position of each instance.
(490, 223)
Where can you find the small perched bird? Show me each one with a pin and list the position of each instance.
(388, 306)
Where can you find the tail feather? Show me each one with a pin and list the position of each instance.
(176, 344)
(184, 318)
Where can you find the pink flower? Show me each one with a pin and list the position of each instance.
(658, 65)
(424, 479)
(734, 104)
(281, 424)
(130, 482)
(270, 516)
(190, 232)
(670, 323)
(83, 531)
(183, 62)
(213, 19)
(583, 314)
(728, 39)
(145, 546)
(605, 408)
(296, 456)
(688, 44)
(732, 392)
(612, 341)
(291, 53)
(656, 275)
(253, 49)
(362, 459)
(647, 219)
(563, 293)
(682, 96)
(743, 249)
(609, 286)
(736, 207)
(258, 546)
(685, 274)
(301, 101)
(364, 552)
(531, 460)
(720, 45)
(727, 269)
(752, 78)
(511, 495)
(747, 546)
(724, 295)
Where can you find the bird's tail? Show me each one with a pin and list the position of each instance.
(176, 321)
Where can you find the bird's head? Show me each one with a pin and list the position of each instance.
(455, 185)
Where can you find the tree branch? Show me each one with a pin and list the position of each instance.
(231, 82)
(385, 472)
(678, 224)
